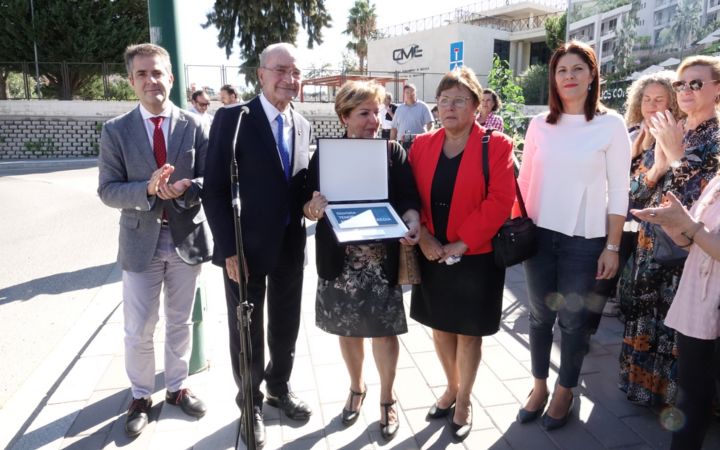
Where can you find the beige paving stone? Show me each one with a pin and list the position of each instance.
(115, 376)
(503, 364)
(80, 382)
(100, 412)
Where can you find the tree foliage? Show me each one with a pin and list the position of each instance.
(73, 31)
(685, 26)
(361, 26)
(625, 41)
(534, 82)
(555, 31)
(502, 81)
(258, 23)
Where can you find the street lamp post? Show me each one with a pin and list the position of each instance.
(164, 31)
(37, 65)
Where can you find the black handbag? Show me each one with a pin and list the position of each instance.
(665, 251)
(516, 240)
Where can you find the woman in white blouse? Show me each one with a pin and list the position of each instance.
(575, 185)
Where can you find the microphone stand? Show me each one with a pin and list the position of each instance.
(244, 309)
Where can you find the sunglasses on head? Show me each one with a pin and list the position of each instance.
(693, 85)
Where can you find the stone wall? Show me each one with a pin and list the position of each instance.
(71, 129)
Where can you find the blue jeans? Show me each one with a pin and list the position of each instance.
(560, 279)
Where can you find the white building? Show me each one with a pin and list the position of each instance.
(600, 29)
(424, 50)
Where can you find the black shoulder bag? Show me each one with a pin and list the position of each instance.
(516, 240)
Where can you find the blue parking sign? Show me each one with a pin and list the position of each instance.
(456, 54)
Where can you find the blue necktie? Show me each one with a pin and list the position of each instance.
(282, 146)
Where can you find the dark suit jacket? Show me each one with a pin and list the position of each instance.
(474, 216)
(268, 200)
(126, 163)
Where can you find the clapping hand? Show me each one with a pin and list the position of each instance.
(668, 133)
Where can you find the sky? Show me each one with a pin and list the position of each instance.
(200, 45)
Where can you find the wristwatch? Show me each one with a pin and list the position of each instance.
(613, 248)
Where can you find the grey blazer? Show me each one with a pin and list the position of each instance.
(125, 164)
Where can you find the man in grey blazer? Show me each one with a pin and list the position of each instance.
(151, 166)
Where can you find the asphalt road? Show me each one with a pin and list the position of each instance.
(58, 245)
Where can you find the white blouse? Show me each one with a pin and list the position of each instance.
(574, 173)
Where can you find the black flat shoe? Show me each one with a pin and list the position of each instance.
(460, 432)
(137, 416)
(387, 429)
(349, 416)
(258, 428)
(436, 412)
(551, 423)
(525, 416)
(187, 401)
(293, 407)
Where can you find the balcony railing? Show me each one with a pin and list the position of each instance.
(476, 14)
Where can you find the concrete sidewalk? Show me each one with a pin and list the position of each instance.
(85, 408)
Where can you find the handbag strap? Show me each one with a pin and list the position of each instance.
(486, 171)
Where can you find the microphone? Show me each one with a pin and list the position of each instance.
(234, 185)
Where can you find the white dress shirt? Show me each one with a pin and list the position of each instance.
(272, 112)
(150, 127)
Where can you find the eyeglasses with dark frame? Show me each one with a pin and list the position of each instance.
(693, 85)
(296, 74)
(458, 102)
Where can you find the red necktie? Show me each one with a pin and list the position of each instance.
(159, 142)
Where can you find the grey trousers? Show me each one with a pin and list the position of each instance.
(141, 303)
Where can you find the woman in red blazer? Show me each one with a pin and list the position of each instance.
(461, 301)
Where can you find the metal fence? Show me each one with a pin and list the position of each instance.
(64, 81)
(108, 81)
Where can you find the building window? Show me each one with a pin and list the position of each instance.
(608, 46)
(539, 53)
(502, 49)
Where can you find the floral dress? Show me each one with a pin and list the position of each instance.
(648, 355)
(360, 302)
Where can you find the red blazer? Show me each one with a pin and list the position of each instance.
(474, 218)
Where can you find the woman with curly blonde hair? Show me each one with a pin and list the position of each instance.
(646, 96)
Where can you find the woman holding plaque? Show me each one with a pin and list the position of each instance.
(460, 297)
(357, 295)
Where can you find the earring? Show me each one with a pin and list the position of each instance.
(590, 88)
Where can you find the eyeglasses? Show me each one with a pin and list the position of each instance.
(458, 102)
(203, 104)
(294, 73)
(693, 85)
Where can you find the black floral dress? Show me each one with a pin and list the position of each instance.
(360, 302)
(648, 372)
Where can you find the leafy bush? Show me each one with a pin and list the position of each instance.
(534, 83)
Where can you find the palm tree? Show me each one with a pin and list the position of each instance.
(686, 24)
(362, 25)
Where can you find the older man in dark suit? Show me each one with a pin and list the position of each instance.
(151, 167)
(272, 156)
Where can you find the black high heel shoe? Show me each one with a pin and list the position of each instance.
(436, 412)
(387, 429)
(551, 423)
(525, 416)
(349, 416)
(460, 432)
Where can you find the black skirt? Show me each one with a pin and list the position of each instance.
(463, 298)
